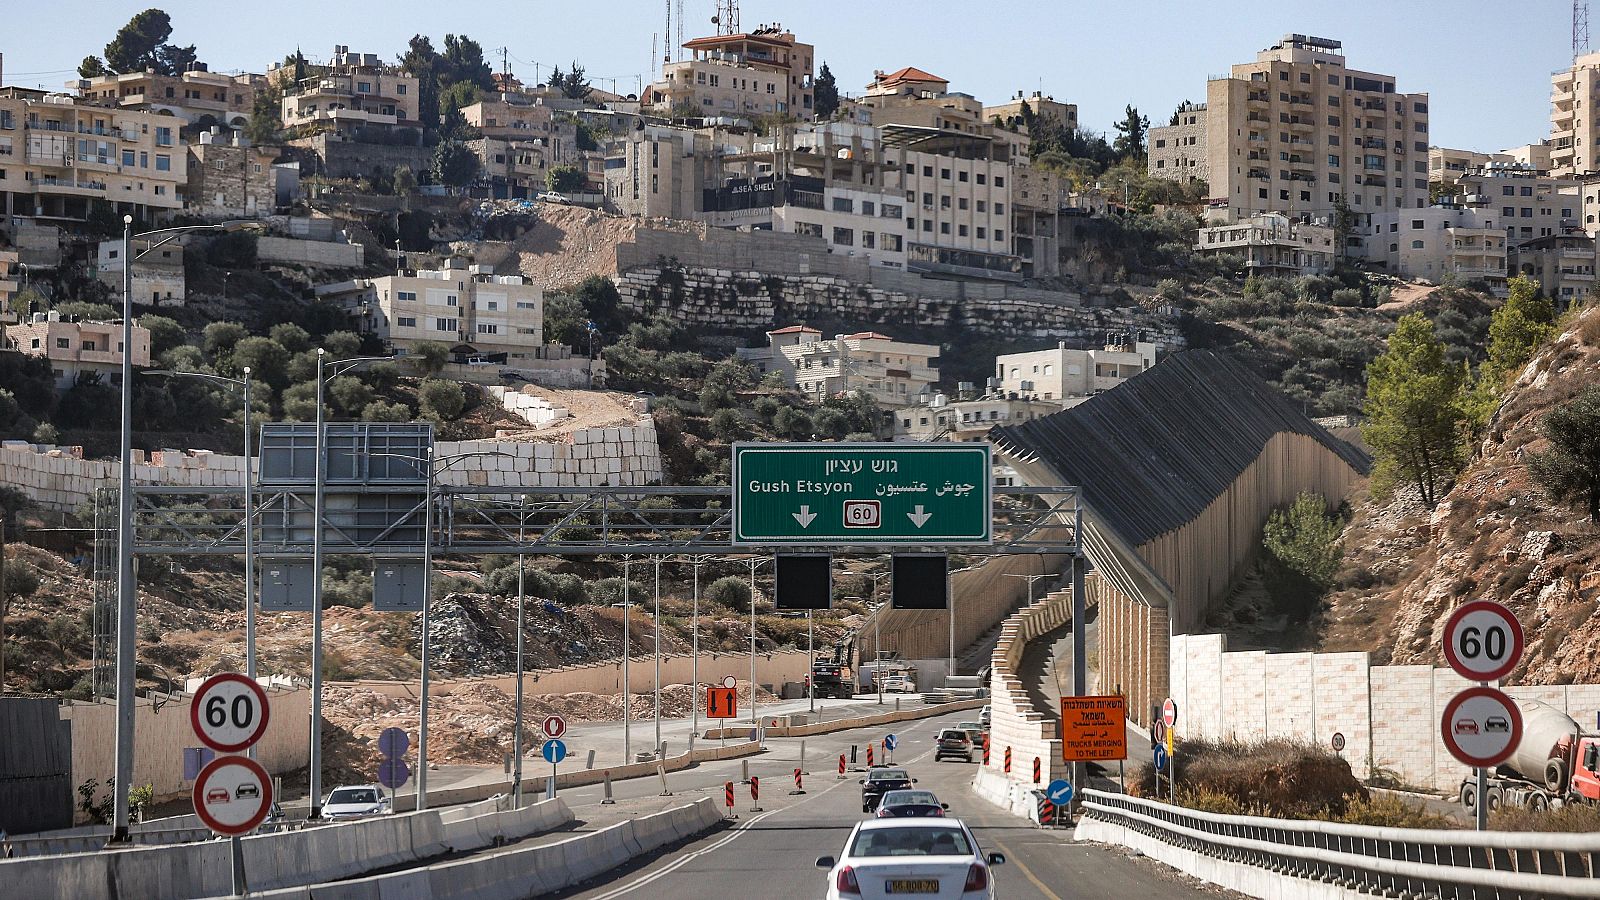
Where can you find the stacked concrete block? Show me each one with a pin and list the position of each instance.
(527, 406)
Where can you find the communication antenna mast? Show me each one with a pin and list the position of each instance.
(680, 23)
(666, 36)
(1580, 28)
(727, 17)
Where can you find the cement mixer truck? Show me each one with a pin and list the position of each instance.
(1555, 763)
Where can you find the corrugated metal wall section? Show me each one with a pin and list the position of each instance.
(35, 766)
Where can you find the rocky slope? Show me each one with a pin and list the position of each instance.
(1494, 536)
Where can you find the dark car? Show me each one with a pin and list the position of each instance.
(881, 781)
(897, 804)
(954, 743)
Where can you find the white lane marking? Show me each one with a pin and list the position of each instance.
(737, 832)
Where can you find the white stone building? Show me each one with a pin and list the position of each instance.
(1061, 374)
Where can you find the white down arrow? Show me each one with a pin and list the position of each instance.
(805, 516)
(919, 518)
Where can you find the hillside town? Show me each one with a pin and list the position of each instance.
(697, 412)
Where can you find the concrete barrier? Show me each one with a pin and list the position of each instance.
(885, 718)
(522, 872)
(273, 861)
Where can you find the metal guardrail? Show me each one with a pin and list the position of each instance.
(1389, 862)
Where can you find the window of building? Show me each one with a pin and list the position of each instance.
(1417, 225)
(892, 211)
(127, 158)
(999, 209)
(927, 200)
(363, 87)
(1527, 190)
(405, 296)
(407, 321)
(63, 344)
(1333, 140)
(844, 237)
(961, 176)
(868, 208)
(844, 204)
(890, 242)
(927, 171)
(809, 229)
(1527, 212)
(944, 201)
(163, 136)
(999, 181)
(444, 324)
(911, 169)
(163, 163)
(486, 328)
(980, 176)
(869, 239)
(1417, 245)
(999, 234)
(400, 89)
(961, 231)
(983, 205)
(927, 225)
(1333, 121)
(944, 174)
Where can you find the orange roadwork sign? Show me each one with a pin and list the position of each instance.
(722, 703)
(1093, 728)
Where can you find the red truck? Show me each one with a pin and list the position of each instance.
(1555, 763)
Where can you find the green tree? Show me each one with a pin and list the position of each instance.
(350, 394)
(291, 337)
(384, 411)
(219, 338)
(825, 93)
(574, 85)
(266, 115)
(440, 400)
(165, 334)
(423, 63)
(720, 388)
(1131, 134)
(464, 63)
(1519, 326)
(1414, 422)
(730, 592)
(831, 423)
(1305, 538)
(565, 179)
(454, 164)
(727, 425)
(430, 357)
(267, 359)
(405, 181)
(92, 67)
(139, 45)
(1570, 470)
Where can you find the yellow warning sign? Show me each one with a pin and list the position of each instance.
(1094, 728)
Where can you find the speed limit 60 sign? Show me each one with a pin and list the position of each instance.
(229, 712)
(1482, 641)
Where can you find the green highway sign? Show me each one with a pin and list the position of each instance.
(862, 494)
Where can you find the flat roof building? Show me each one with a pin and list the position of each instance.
(74, 348)
(1296, 130)
(766, 72)
(477, 313)
(890, 371)
(1272, 244)
(1562, 264)
(195, 96)
(1061, 374)
(1177, 152)
(352, 94)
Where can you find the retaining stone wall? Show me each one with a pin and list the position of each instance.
(752, 299)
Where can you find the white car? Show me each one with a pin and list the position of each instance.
(983, 717)
(898, 684)
(355, 801)
(933, 858)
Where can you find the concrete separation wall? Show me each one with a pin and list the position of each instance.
(284, 859)
(312, 254)
(1389, 715)
(522, 872)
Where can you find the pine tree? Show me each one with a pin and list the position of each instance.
(1570, 470)
(1519, 326)
(1414, 419)
(825, 94)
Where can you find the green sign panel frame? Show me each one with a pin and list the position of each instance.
(863, 494)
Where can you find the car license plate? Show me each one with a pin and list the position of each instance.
(913, 886)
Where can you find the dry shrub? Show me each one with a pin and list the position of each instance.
(1272, 778)
(1589, 329)
(1389, 811)
(1575, 817)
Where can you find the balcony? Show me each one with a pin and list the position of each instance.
(1577, 252)
(1374, 181)
(1259, 173)
(50, 185)
(1257, 98)
(1299, 124)
(1375, 144)
(1300, 100)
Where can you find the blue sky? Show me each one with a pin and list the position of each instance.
(1487, 65)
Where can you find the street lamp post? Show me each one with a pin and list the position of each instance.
(658, 655)
(627, 651)
(694, 664)
(754, 561)
(877, 643)
(318, 512)
(249, 516)
(127, 599)
(522, 599)
(434, 468)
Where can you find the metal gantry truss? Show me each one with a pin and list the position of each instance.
(566, 521)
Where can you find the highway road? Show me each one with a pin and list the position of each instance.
(772, 853)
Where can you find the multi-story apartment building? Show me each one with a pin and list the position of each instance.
(158, 274)
(514, 169)
(499, 318)
(1562, 264)
(890, 371)
(77, 347)
(1436, 243)
(1529, 204)
(1296, 130)
(194, 96)
(524, 118)
(229, 178)
(764, 73)
(939, 418)
(1060, 374)
(58, 154)
(1272, 244)
(1574, 123)
(10, 283)
(659, 171)
(1041, 105)
(957, 200)
(1178, 151)
(353, 94)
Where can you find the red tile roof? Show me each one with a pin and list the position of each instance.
(795, 329)
(868, 336)
(909, 73)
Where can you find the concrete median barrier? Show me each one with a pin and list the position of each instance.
(865, 721)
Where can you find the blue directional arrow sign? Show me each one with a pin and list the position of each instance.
(890, 742)
(554, 751)
(1161, 758)
(1059, 792)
